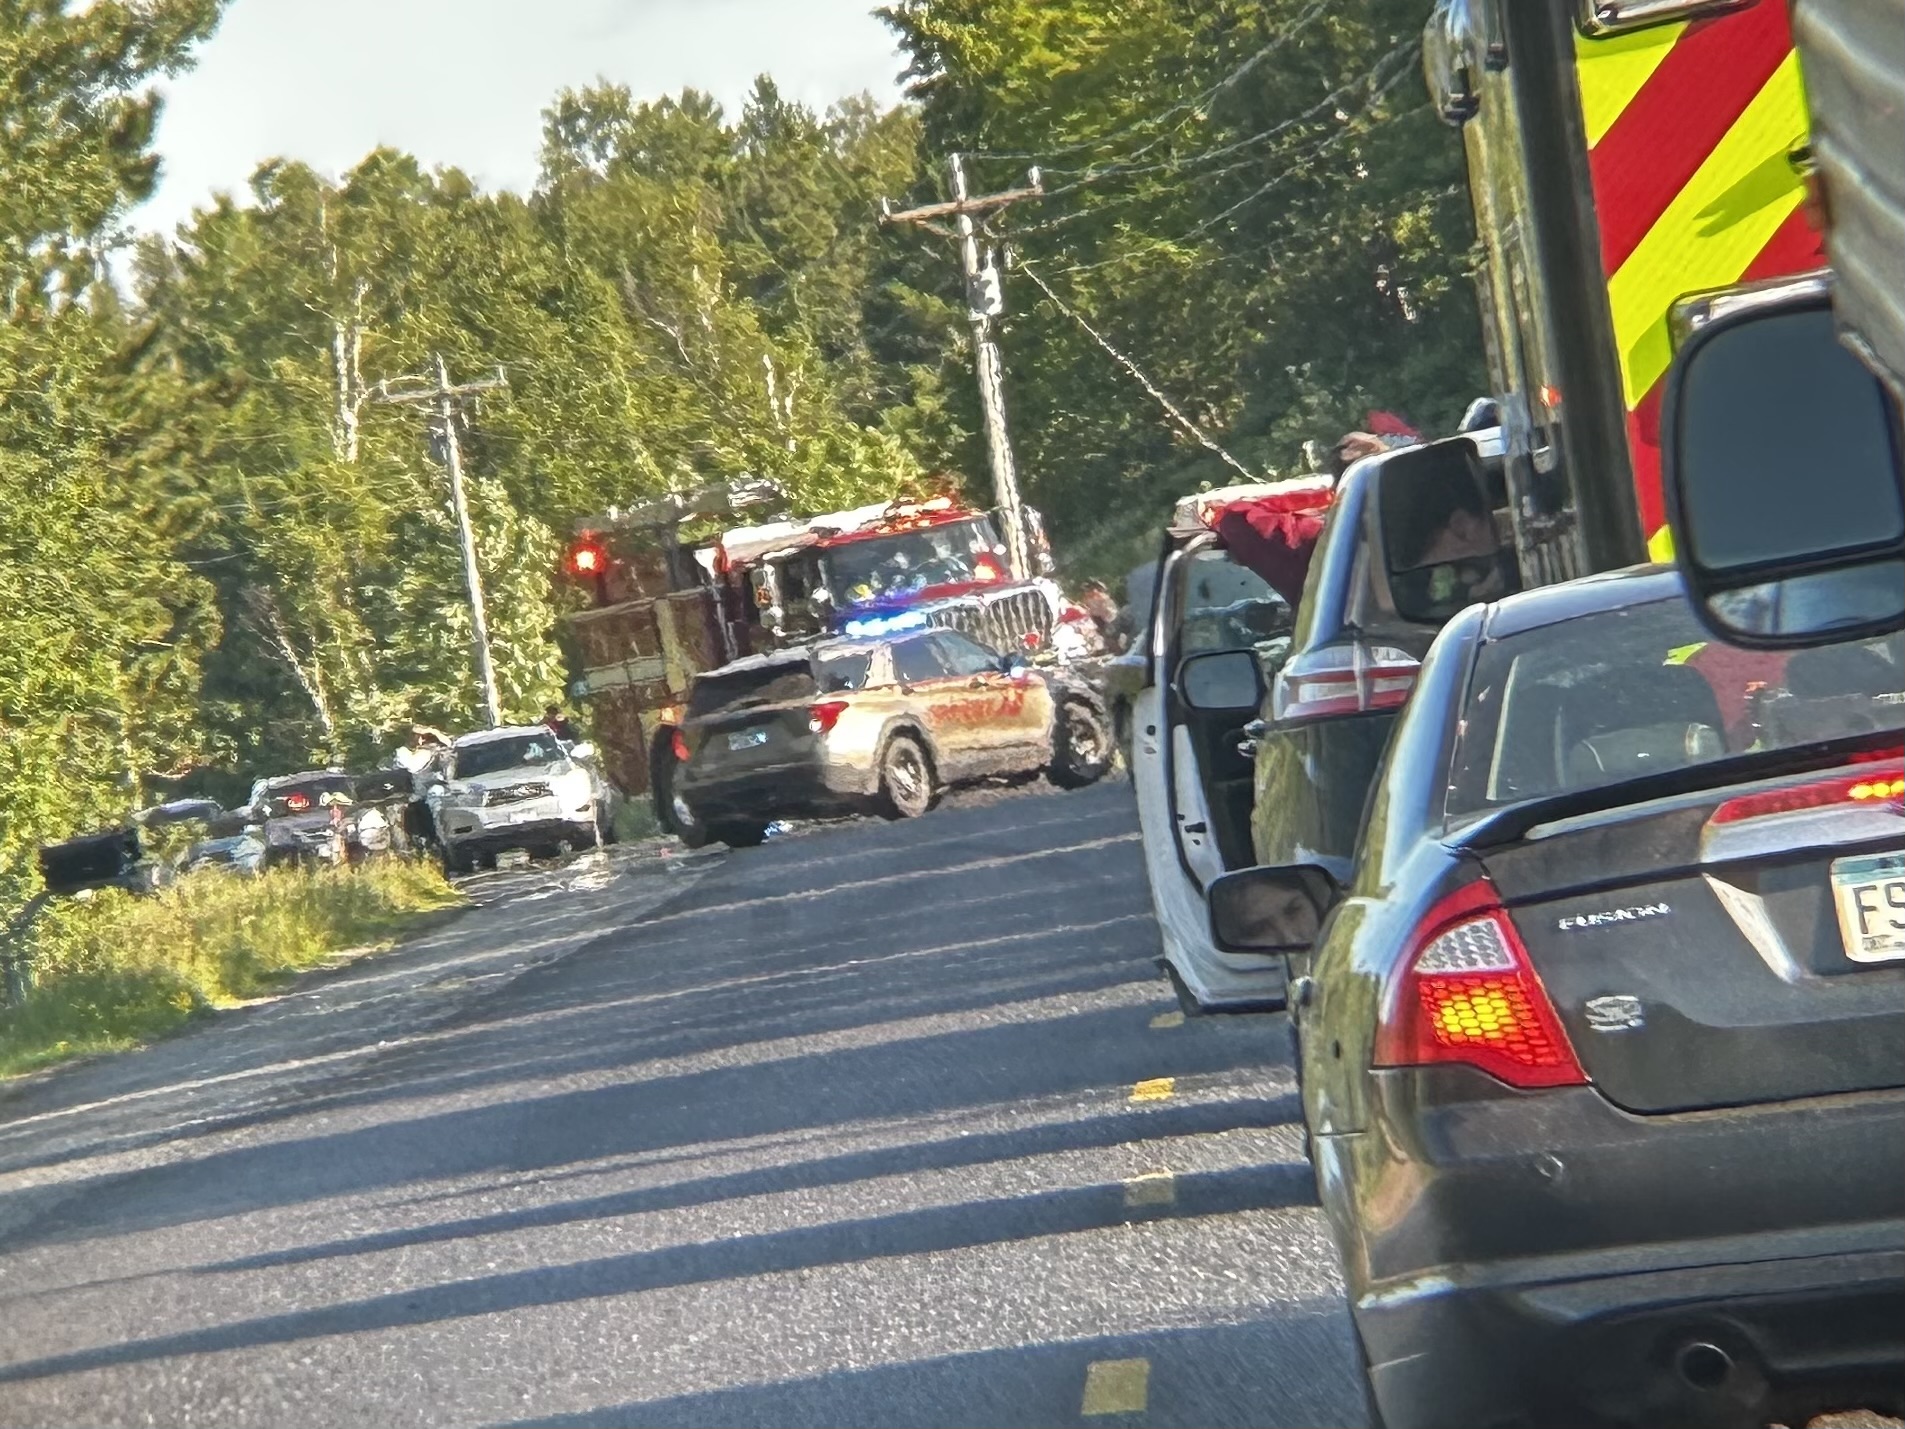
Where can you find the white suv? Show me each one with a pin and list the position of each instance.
(518, 788)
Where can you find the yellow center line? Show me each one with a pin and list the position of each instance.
(1153, 1188)
(1157, 1089)
(1116, 1387)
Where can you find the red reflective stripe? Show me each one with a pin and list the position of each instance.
(1687, 105)
(1796, 248)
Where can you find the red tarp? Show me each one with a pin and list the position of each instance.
(1274, 536)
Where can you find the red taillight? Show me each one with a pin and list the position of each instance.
(297, 803)
(1468, 994)
(678, 743)
(1869, 787)
(1343, 679)
(824, 716)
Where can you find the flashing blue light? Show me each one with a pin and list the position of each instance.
(875, 625)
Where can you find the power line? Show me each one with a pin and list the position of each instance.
(1183, 107)
(1202, 438)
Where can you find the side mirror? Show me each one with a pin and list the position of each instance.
(1781, 455)
(1220, 680)
(1270, 910)
(1441, 548)
(584, 750)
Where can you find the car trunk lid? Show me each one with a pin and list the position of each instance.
(752, 718)
(1724, 948)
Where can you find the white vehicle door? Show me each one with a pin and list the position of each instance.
(1178, 850)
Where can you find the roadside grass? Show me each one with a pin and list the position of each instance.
(114, 971)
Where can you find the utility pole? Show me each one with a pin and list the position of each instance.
(985, 300)
(445, 398)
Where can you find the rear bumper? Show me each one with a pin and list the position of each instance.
(1745, 1343)
(1548, 1258)
(782, 792)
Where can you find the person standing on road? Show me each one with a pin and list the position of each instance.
(422, 758)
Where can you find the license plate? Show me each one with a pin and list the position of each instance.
(747, 739)
(1870, 894)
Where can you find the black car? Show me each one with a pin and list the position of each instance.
(1370, 610)
(1603, 1042)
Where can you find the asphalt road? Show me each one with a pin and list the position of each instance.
(876, 1124)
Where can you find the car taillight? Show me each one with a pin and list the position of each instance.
(1467, 993)
(678, 743)
(1343, 679)
(824, 716)
(1886, 782)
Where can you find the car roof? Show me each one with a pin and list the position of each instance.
(508, 731)
(1590, 595)
(275, 781)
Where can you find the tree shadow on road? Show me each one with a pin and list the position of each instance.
(906, 1233)
(1295, 1370)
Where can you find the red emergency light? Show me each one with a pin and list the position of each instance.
(589, 557)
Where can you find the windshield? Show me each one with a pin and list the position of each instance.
(876, 566)
(1228, 607)
(1607, 698)
(497, 754)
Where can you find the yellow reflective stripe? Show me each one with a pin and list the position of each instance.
(1613, 71)
(1714, 228)
(1660, 547)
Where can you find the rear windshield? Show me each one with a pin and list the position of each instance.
(1616, 696)
(494, 755)
(780, 683)
(306, 795)
(1228, 606)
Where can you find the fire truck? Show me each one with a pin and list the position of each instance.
(678, 591)
(1635, 167)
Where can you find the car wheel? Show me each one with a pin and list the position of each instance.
(906, 779)
(739, 833)
(1081, 748)
(605, 823)
(686, 823)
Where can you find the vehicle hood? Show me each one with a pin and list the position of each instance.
(521, 774)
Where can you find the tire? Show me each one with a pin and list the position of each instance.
(906, 779)
(605, 824)
(739, 833)
(1081, 745)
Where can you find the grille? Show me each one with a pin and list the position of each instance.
(1001, 621)
(516, 793)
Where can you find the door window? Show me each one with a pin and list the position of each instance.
(962, 655)
(916, 661)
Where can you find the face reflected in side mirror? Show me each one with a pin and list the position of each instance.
(1785, 491)
(1270, 910)
(1220, 680)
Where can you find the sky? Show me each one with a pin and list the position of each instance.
(464, 82)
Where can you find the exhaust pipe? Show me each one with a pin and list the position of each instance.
(1704, 1366)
